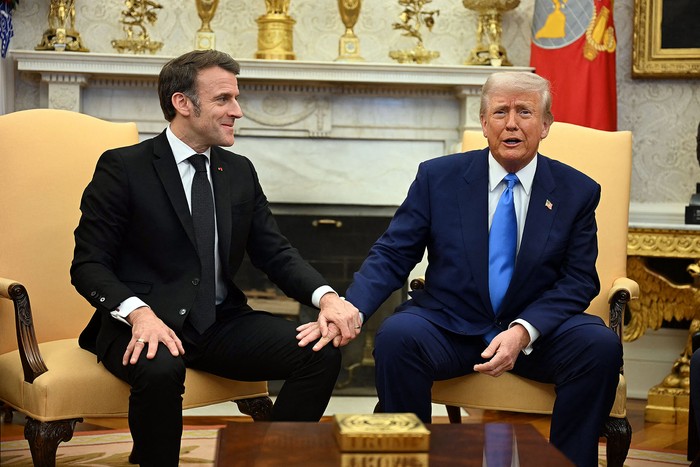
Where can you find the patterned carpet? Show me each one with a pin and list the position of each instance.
(112, 448)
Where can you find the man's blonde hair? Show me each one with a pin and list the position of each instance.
(521, 81)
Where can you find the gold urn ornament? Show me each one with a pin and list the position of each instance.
(205, 38)
(275, 32)
(61, 34)
(489, 50)
(349, 46)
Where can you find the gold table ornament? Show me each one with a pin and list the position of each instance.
(663, 300)
(489, 50)
(413, 17)
(349, 45)
(133, 18)
(381, 432)
(275, 32)
(205, 38)
(61, 34)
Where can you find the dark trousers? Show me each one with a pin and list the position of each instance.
(583, 362)
(246, 346)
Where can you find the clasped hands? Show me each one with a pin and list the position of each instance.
(338, 322)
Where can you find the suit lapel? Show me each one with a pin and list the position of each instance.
(540, 216)
(473, 209)
(165, 166)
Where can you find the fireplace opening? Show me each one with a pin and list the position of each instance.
(336, 245)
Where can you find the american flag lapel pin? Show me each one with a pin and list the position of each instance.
(220, 169)
(548, 204)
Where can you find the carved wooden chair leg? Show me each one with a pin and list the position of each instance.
(618, 433)
(259, 408)
(454, 414)
(44, 438)
(6, 413)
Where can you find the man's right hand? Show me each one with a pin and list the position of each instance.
(149, 330)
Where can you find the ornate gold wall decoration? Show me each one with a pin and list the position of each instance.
(205, 38)
(275, 32)
(137, 40)
(61, 34)
(413, 18)
(349, 46)
(489, 50)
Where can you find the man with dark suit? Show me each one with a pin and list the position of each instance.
(162, 284)
(480, 311)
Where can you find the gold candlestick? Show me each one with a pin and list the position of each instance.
(488, 50)
(275, 38)
(349, 46)
(205, 38)
(61, 34)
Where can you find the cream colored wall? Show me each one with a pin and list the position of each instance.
(663, 114)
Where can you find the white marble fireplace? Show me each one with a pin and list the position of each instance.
(317, 132)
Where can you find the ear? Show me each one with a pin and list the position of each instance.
(545, 129)
(182, 104)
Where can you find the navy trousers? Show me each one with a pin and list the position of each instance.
(583, 363)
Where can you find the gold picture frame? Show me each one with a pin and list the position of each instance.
(650, 59)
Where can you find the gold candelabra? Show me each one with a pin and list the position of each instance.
(413, 18)
(205, 38)
(61, 34)
(137, 40)
(349, 46)
(275, 32)
(489, 50)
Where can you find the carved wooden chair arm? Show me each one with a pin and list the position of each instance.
(622, 291)
(32, 363)
(417, 283)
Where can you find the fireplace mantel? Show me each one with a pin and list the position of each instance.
(65, 74)
(318, 132)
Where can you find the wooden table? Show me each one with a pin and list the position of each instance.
(313, 444)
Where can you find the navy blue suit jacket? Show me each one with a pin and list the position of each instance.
(446, 211)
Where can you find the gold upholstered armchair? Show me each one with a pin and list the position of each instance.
(47, 158)
(607, 158)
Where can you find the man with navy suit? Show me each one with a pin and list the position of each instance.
(165, 297)
(460, 322)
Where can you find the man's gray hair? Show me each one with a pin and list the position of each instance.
(520, 81)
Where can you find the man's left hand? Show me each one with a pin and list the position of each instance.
(503, 351)
(338, 322)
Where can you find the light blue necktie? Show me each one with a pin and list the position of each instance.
(503, 240)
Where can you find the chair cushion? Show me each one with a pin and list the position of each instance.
(485, 392)
(77, 386)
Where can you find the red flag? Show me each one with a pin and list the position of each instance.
(573, 46)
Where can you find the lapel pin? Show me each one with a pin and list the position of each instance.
(548, 204)
(220, 169)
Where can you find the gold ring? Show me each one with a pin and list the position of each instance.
(140, 340)
(358, 327)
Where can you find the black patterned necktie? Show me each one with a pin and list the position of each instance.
(203, 312)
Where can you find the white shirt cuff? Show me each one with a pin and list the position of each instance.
(126, 307)
(320, 292)
(531, 330)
